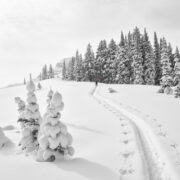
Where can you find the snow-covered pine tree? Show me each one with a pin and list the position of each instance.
(30, 77)
(100, 62)
(130, 48)
(123, 65)
(64, 71)
(51, 72)
(149, 61)
(21, 108)
(171, 56)
(122, 41)
(176, 54)
(166, 80)
(81, 70)
(137, 67)
(177, 91)
(31, 120)
(137, 58)
(71, 69)
(88, 64)
(111, 62)
(54, 138)
(118, 66)
(49, 97)
(177, 67)
(44, 72)
(21, 104)
(78, 67)
(24, 81)
(157, 60)
(39, 86)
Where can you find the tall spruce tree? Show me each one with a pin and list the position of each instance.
(81, 69)
(30, 120)
(177, 73)
(177, 67)
(24, 81)
(111, 64)
(64, 71)
(130, 47)
(149, 61)
(88, 64)
(137, 58)
(157, 60)
(44, 72)
(122, 41)
(100, 62)
(78, 67)
(51, 72)
(166, 80)
(30, 77)
(171, 56)
(123, 67)
(71, 69)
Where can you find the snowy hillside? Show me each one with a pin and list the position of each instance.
(130, 134)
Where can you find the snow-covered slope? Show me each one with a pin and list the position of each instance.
(107, 146)
(96, 136)
(159, 111)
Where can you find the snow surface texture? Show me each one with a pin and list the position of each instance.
(152, 114)
(3, 139)
(154, 160)
(108, 146)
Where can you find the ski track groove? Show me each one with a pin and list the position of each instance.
(154, 167)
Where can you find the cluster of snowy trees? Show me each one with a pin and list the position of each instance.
(46, 73)
(47, 136)
(39, 86)
(134, 60)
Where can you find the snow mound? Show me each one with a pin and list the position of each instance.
(3, 139)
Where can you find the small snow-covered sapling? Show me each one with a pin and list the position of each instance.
(54, 138)
(31, 119)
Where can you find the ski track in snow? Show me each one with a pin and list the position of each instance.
(155, 163)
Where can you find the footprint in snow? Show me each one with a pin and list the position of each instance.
(126, 141)
(125, 171)
(124, 125)
(126, 155)
(162, 134)
(174, 146)
(159, 125)
(126, 132)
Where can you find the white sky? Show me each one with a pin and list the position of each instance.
(35, 32)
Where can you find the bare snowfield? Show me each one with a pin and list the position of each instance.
(108, 145)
